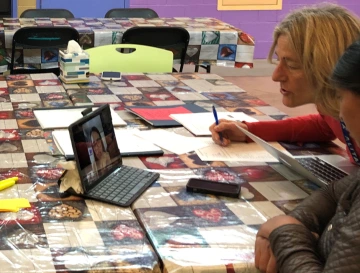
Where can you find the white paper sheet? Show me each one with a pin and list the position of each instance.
(127, 142)
(61, 118)
(199, 123)
(173, 142)
(238, 151)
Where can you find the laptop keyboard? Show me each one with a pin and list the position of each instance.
(321, 169)
(122, 187)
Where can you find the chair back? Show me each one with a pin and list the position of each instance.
(43, 38)
(175, 39)
(143, 59)
(50, 13)
(131, 13)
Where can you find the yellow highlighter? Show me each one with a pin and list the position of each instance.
(4, 184)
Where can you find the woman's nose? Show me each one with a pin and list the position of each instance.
(279, 74)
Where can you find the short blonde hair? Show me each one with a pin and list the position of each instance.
(319, 35)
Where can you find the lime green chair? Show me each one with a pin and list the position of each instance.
(144, 59)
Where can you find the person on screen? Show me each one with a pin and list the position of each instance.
(102, 157)
(307, 43)
(322, 234)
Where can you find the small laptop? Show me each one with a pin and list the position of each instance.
(321, 169)
(102, 174)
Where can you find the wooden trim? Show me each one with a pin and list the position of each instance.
(249, 5)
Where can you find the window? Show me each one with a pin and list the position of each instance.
(249, 4)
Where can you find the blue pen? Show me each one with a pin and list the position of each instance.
(217, 121)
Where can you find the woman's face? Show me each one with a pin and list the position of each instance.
(349, 112)
(96, 144)
(294, 86)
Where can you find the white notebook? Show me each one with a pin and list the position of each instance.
(54, 118)
(199, 123)
(128, 143)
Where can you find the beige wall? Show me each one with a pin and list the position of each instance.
(25, 4)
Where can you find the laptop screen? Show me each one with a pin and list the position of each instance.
(95, 147)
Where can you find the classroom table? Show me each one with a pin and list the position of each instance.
(212, 42)
(167, 229)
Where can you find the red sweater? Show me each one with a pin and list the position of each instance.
(310, 128)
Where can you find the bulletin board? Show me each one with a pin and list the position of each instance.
(249, 4)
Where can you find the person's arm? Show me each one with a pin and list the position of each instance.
(295, 246)
(316, 211)
(310, 128)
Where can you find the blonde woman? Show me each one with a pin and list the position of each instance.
(307, 43)
(322, 234)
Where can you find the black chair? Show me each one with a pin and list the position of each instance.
(50, 13)
(175, 39)
(52, 38)
(131, 13)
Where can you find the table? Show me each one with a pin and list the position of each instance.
(211, 41)
(188, 233)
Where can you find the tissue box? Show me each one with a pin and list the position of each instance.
(74, 67)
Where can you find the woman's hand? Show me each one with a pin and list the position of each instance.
(264, 258)
(228, 130)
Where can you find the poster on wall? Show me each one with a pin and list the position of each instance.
(249, 4)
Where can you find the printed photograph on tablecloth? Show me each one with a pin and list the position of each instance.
(4, 91)
(125, 232)
(20, 83)
(145, 90)
(210, 37)
(49, 55)
(57, 103)
(44, 159)
(9, 134)
(27, 105)
(243, 65)
(193, 161)
(169, 161)
(258, 173)
(133, 97)
(245, 39)
(11, 146)
(180, 89)
(44, 174)
(193, 54)
(21, 173)
(78, 99)
(220, 174)
(246, 110)
(80, 259)
(49, 82)
(176, 237)
(137, 77)
(7, 115)
(219, 96)
(287, 206)
(279, 117)
(22, 217)
(49, 192)
(227, 52)
(186, 76)
(31, 134)
(22, 90)
(26, 236)
(99, 91)
(117, 84)
(248, 100)
(64, 211)
(184, 198)
(207, 104)
(174, 83)
(5, 98)
(54, 96)
(20, 114)
(119, 106)
(161, 96)
(92, 84)
(86, 40)
(139, 103)
(234, 103)
(18, 77)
